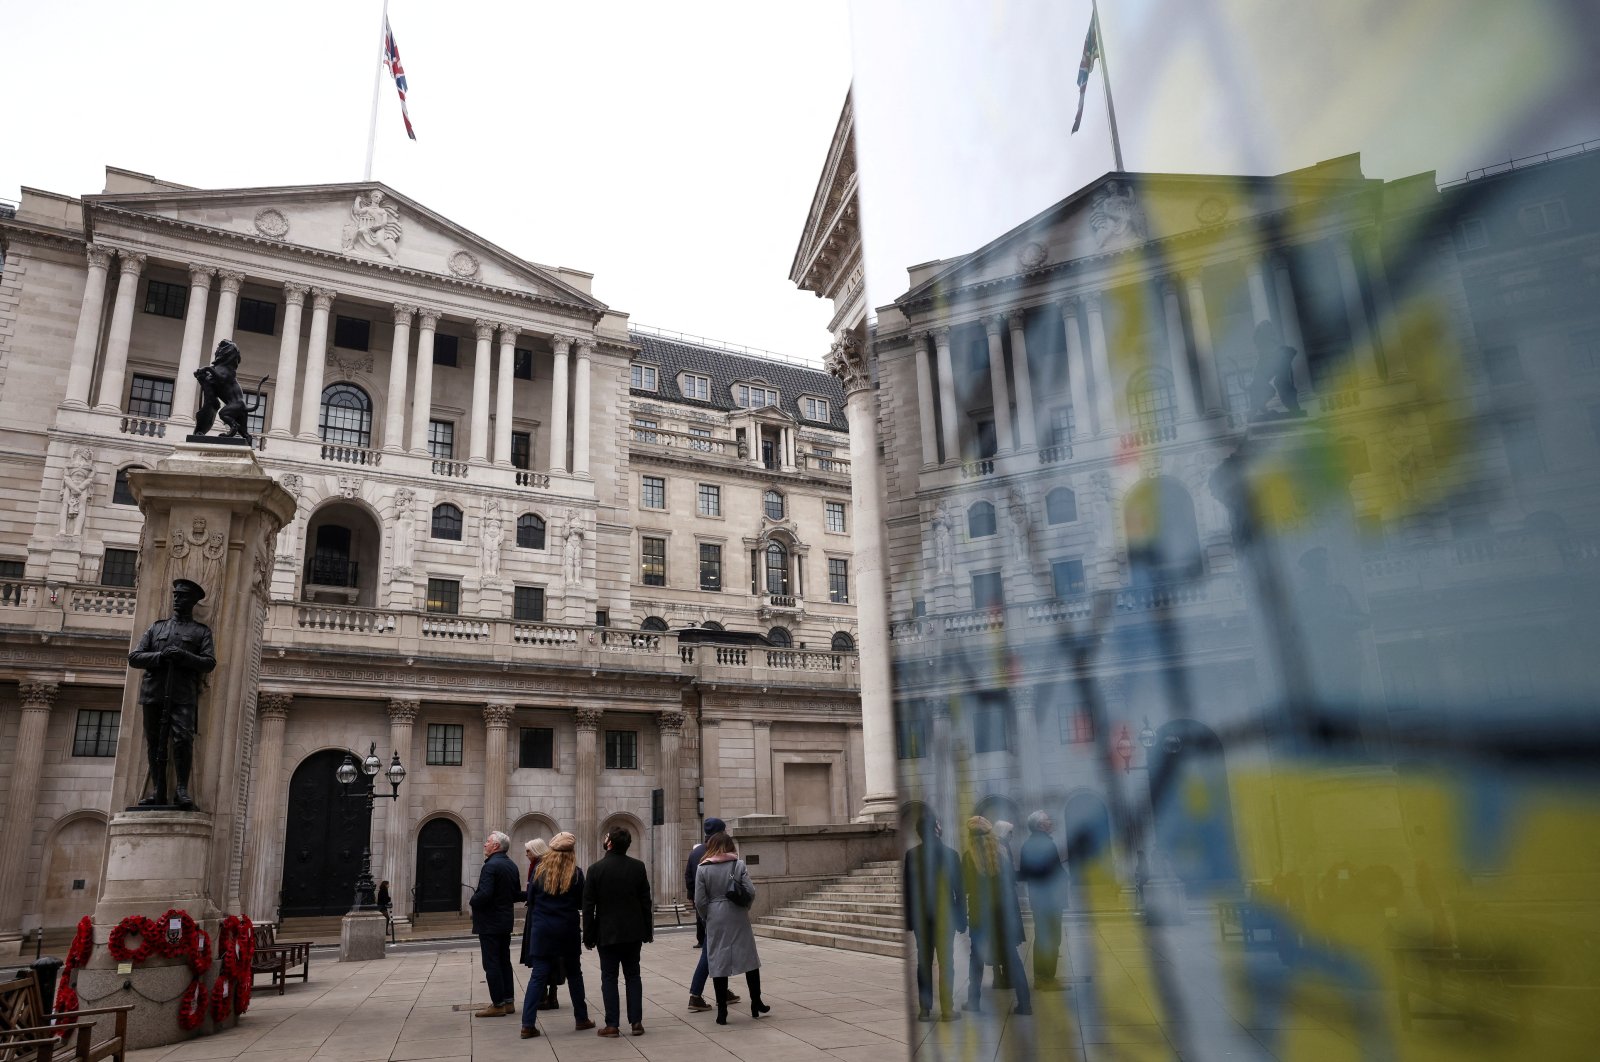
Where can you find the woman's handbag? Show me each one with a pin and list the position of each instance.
(740, 893)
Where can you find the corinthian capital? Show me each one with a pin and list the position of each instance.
(941, 335)
(585, 347)
(403, 313)
(231, 279)
(273, 704)
(993, 323)
(670, 722)
(561, 341)
(845, 360)
(403, 710)
(427, 318)
(99, 257)
(485, 329)
(37, 695)
(200, 275)
(322, 298)
(294, 294)
(509, 333)
(588, 718)
(498, 716)
(131, 263)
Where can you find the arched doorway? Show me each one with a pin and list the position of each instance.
(527, 828)
(439, 885)
(324, 840)
(1163, 536)
(1193, 808)
(72, 871)
(1085, 829)
(344, 551)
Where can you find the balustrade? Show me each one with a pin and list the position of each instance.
(149, 427)
(1150, 436)
(541, 634)
(1052, 454)
(451, 469)
(351, 455)
(976, 469)
(101, 600)
(535, 480)
(679, 440)
(454, 628)
(343, 620)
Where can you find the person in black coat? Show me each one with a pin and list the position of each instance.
(493, 906)
(551, 935)
(697, 983)
(618, 920)
(936, 910)
(1041, 871)
(994, 917)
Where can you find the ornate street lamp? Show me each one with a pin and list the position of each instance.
(348, 772)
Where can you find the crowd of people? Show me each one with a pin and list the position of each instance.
(608, 908)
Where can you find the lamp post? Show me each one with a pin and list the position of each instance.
(348, 772)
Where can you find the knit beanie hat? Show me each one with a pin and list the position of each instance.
(715, 825)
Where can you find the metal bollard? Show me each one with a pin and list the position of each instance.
(47, 969)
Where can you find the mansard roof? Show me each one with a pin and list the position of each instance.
(726, 368)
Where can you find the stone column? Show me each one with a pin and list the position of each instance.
(950, 417)
(1256, 281)
(1105, 387)
(1029, 752)
(394, 420)
(763, 765)
(192, 350)
(36, 697)
(1027, 429)
(1211, 393)
(264, 855)
(1355, 309)
(115, 370)
(294, 300)
(227, 305)
(86, 340)
(1085, 418)
(558, 405)
(422, 393)
(496, 765)
(580, 412)
(1178, 351)
(587, 797)
(316, 358)
(847, 361)
(478, 449)
(1001, 393)
(502, 395)
(670, 777)
(1383, 308)
(925, 400)
(1289, 318)
(398, 855)
(856, 764)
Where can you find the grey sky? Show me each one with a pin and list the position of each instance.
(670, 149)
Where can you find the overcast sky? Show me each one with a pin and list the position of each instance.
(670, 149)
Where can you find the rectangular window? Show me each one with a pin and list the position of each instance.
(911, 738)
(536, 747)
(701, 440)
(653, 492)
(165, 300)
(119, 567)
(1067, 576)
(815, 409)
(824, 458)
(988, 441)
(1471, 234)
(13, 569)
(522, 450)
(256, 419)
(622, 750)
(1540, 218)
(444, 596)
(441, 440)
(642, 430)
(528, 604)
(710, 500)
(446, 350)
(257, 315)
(695, 386)
(522, 363)
(1077, 725)
(96, 733)
(653, 561)
(988, 591)
(747, 397)
(838, 580)
(444, 744)
(710, 566)
(352, 333)
(150, 396)
(835, 516)
(1061, 426)
(642, 377)
(991, 725)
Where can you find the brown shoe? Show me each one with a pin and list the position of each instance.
(609, 1030)
(494, 1010)
(528, 1033)
(582, 1025)
(638, 1028)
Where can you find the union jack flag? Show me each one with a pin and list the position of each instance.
(1091, 52)
(391, 58)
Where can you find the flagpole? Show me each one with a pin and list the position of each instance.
(377, 83)
(1105, 75)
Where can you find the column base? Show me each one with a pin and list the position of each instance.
(879, 807)
(73, 403)
(105, 408)
(279, 433)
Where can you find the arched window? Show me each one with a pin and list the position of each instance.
(346, 416)
(653, 623)
(1060, 506)
(777, 569)
(712, 625)
(121, 493)
(842, 642)
(780, 637)
(980, 520)
(1152, 401)
(772, 505)
(447, 522)
(530, 531)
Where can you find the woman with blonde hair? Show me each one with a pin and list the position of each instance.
(536, 850)
(730, 942)
(551, 940)
(994, 917)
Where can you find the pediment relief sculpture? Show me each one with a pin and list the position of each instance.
(374, 226)
(1115, 216)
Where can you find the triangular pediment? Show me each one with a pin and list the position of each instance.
(367, 222)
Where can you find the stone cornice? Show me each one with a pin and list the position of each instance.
(25, 231)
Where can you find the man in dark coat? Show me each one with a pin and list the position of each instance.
(1041, 871)
(493, 918)
(697, 983)
(618, 919)
(936, 910)
(175, 655)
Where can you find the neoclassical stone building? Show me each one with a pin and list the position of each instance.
(510, 503)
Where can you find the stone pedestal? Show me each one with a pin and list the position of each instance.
(361, 936)
(1164, 902)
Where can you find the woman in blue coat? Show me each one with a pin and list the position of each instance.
(551, 937)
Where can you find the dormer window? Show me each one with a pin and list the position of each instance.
(693, 385)
(754, 396)
(642, 377)
(816, 409)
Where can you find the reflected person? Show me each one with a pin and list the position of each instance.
(936, 910)
(994, 917)
(1046, 881)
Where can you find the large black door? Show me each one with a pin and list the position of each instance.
(323, 843)
(439, 885)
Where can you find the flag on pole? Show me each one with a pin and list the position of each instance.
(391, 58)
(1091, 52)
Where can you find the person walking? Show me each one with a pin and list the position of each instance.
(535, 850)
(730, 942)
(493, 919)
(994, 917)
(697, 983)
(1046, 881)
(936, 910)
(551, 935)
(618, 921)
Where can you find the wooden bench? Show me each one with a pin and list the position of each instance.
(29, 1033)
(278, 958)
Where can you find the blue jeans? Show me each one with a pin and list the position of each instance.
(697, 983)
(544, 968)
(627, 957)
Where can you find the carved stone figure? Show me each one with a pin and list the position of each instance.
(221, 396)
(75, 486)
(572, 559)
(1114, 213)
(199, 554)
(1021, 533)
(404, 530)
(374, 225)
(494, 534)
(284, 554)
(1274, 375)
(175, 655)
(943, 540)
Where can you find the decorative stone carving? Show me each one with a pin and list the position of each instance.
(294, 484)
(670, 722)
(1114, 214)
(1021, 531)
(403, 710)
(588, 718)
(261, 573)
(493, 537)
(75, 486)
(463, 264)
(374, 226)
(483, 329)
(294, 294)
(232, 280)
(1032, 255)
(131, 263)
(274, 704)
(498, 715)
(322, 298)
(404, 530)
(509, 333)
(198, 554)
(846, 361)
(1211, 210)
(943, 539)
(349, 487)
(271, 223)
(403, 313)
(572, 557)
(37, 696)
(99, 257)
(349, 362)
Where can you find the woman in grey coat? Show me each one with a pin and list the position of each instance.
(730, 942)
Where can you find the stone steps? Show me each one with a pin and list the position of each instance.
(875, 927)
(860, 912)
(827, 938)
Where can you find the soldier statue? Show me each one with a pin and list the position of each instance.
(175, 655)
